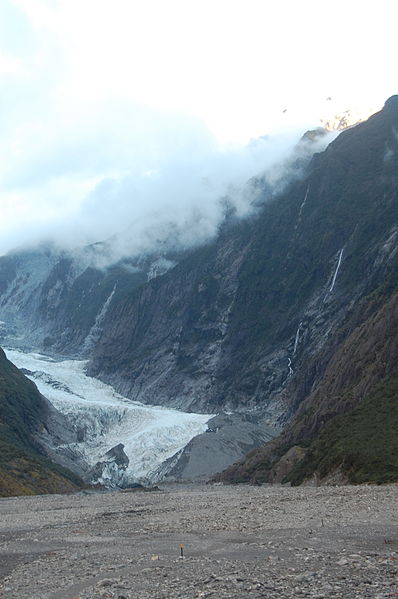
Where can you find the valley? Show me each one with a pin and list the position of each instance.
(239, 360)
(238, 541)
(103, 419)
(198, 300)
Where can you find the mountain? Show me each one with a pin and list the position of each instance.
(55, 300)
(24, 417)
(288, 315)
(344, 428)
(238, 323)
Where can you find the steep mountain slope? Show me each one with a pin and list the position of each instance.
(56, 300)
(360, 446)
(289, 314)
(351, 414)
(345, 429)
(254, 319)
(24, 413)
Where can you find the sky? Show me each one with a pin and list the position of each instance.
(132, 116)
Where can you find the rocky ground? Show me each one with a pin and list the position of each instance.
(239, 542)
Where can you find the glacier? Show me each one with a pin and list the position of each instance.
(105, 419)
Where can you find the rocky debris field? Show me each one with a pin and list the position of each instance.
(238, 542)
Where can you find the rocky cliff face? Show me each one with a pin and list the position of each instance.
(358, 383)
(56, 301)
(346, 396)
(289, 314)
(254, 319)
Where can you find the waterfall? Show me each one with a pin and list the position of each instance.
(304, 201)
(336, 271)
(296, 341)
(297, 338)
(95, 330)
(289, 363)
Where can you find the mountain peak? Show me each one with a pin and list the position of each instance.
(392, 103)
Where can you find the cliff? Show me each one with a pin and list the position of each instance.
(289, 315)
(254, 319)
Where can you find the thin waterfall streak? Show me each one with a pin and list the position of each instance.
(336, 271)
(297, 338)
(304, 201)
(289, 363)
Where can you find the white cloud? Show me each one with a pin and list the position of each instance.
(130, 108)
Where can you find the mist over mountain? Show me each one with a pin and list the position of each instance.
(166, 193)
(286, 317)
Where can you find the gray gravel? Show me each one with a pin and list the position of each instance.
(227, 439)
(254, 542)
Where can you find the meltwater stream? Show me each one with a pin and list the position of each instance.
(150, 434)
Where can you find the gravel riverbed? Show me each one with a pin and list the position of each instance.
(238, 542)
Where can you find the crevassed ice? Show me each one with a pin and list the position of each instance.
(150, 434)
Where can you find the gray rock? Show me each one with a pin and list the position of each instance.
(228, 438)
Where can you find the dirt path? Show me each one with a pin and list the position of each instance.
(254, 542)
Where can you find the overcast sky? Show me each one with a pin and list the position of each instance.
(124, 113)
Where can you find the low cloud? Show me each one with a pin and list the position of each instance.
(144, 181)
(120, 141)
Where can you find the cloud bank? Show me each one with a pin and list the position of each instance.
(143, 180)
(129, 127)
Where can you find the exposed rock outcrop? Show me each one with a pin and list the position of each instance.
(364, 360)
(111, 470)
(254, 319)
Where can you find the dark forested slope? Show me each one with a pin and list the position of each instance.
(24, 469)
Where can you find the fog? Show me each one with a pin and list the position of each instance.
(142, 180)
(131, 122)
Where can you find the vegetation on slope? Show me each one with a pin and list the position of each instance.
(23, 469)
(362, 444)
(25, 472)
(357, 392)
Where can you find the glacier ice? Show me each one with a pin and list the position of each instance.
(104, 418)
